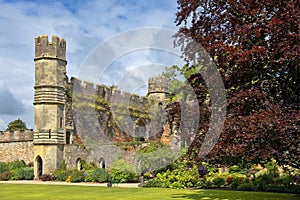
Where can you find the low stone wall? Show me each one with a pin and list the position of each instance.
(12, 151)
(16, 145)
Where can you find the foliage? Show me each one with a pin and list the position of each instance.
(123, 172)
(60, 175)
(15, 170)
(254, 43)
(5, 176)
(256, 53)
(8, 166)
(96, 175)
(16, 125)
(76, 176)
(219, 181)
(62, 166)
(24, 173)
(154, 156)
(181, 175)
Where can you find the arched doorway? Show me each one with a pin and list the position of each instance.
(140, 130)
(39, 165)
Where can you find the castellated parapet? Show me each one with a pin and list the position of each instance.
(158, 85)
(158, 89)
(16, 136)
(55, 49)
(87, 90)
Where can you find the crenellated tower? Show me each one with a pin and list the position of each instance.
(158, 89)
(49, 103)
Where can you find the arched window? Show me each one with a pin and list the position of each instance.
(102, 163)
(78, 164)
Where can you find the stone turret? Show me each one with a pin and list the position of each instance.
(49, 104)
(158, 89)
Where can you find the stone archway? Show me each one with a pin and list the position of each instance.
(79, 164)
(39, 167)
(140, 130)
(102, 163)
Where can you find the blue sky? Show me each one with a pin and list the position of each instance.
(83, 24)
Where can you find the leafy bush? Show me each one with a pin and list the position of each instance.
(77, 176)
(153, 183)
(180, 176)
(24, 173)
(3, 167)
(218, 181)
(8, 166)
(229, 179)
(60, 175)
(263, 180)
(122, 172)
(154, 156)
(234, 168)
(246, 187)
(96, 175)
(237, 180)
(5, 176)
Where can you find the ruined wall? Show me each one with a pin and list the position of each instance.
(108, 108)
(16, 145)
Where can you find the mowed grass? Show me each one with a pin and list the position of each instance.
(66, 192)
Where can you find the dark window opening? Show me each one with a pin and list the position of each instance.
(141, 139)
(49, 133)
(68, 137)
(61, 122)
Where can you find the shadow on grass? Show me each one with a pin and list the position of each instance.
(234, 195)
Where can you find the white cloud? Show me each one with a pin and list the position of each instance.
(84, 24)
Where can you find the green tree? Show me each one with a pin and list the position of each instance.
(16, 125)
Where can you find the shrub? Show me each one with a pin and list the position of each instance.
(96, 175)
(238, 180)
(122, 172)
(218, 181)
(5, 176)
(229, 180)
(234, 169)
(16, 164)
(178, 177)
(263, 180)
(46, 177)
(3, 167)
(246, 187)
(153, 183)
(60, 175)
(77, 176)
(24, 173)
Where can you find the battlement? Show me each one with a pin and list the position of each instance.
(55, 49)
(107, 93)
(16, 136)
(158, 85)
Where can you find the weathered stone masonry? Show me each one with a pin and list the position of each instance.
(16, 145)
(56, 134)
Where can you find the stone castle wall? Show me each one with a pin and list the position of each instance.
(16, 145)
(106, 93)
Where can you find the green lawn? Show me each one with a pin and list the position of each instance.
(65, 192)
